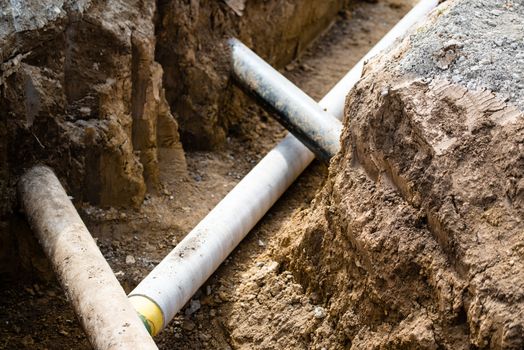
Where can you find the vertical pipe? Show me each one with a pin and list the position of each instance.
(100, 303)
(179, 275)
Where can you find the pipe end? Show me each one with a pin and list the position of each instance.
(149, 312)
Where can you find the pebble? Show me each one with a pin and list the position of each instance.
(491, 23)
(498, 42)
(319, 312)
(456, 79)
(194, 306)
(453, 43)
(188, 325)
(130, 260)
(485, 61)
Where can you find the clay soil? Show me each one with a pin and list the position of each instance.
(34, 314)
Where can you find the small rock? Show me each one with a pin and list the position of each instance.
(485, 62)
(85, 111)
(194, 306)
(261, 243)
(238, 6)
(130, 260)
(188, 325)
(456, 79)
(499, 42)
(491, 23)
(319, 312)
(453, 44)
(306, 67)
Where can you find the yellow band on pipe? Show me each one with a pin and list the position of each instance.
(149, 312)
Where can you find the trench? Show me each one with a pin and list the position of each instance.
(133, 242)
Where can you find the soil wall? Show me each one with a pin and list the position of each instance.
(82, 90)
(192, 49)
(416, 240)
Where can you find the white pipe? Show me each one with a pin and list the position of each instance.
(100, 303)
(332, 101)
(174, 281)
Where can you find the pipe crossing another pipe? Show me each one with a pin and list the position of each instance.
(296, 111)
(180, 274)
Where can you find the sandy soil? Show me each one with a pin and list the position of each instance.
(35, 314)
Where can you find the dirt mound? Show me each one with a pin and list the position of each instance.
(416, 240)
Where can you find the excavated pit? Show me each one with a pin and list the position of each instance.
(101, 91)
(412, 239)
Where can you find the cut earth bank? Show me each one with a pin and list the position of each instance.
(100, 91)
(417, 238)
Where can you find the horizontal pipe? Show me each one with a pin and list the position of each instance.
(179, 275)
(296, 111)
(100, 303)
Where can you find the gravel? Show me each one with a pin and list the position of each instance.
(488, 52)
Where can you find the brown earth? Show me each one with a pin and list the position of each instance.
(416, 240)
(82, 90)
(35, 314)
(192, 49)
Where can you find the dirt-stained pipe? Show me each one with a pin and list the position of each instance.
(174, 281)
(100, 303)
(295, 110)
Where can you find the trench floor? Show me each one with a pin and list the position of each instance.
(36, 314)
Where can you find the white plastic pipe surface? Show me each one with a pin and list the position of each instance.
(334, 100)
(100, 303)
(174, 281)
